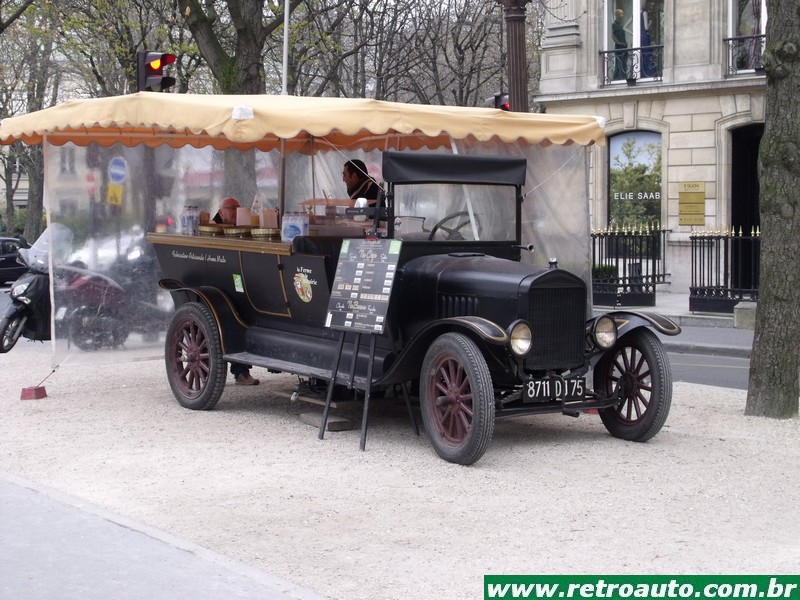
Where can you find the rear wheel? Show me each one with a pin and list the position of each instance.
(457, 399)
(193, 357)
(10, 330)
(91, 330)
(638, 369)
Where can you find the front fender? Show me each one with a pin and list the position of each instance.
(14, 308)
(230, 325)
(628, 320)
(487, 334)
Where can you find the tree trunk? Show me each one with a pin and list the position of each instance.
(241, 72)
(8, 179)
(33, 218)
(774, 388)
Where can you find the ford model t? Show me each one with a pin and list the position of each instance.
(479, 325)
(478, 334)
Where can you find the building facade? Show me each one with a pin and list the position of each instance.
(681, 88)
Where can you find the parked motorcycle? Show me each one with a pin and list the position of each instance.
(100, 310)
(28, 313)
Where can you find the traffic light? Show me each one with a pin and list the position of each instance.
(499, 100)
(502, 102)
(150, 71)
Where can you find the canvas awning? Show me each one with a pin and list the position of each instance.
(306, 124)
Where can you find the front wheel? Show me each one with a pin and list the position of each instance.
(457, 399)
(193, 356)
(638, 370)
(10, 330)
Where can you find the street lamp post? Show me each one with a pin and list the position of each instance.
(514, 11)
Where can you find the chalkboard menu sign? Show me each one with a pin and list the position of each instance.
(363, 285)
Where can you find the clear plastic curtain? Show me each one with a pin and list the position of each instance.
(111, 197)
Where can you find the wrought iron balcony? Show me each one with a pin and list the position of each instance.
(744, 53)
(631, 64)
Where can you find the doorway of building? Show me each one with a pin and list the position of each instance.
(744, 203)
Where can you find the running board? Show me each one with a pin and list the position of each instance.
(284, 366)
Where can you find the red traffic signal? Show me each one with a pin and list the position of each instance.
(150, 71)
(502, 102)
(499, 100)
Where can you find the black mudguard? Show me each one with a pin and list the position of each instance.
(13, 309)
(230, 325)
(487, 334)
(628, 320)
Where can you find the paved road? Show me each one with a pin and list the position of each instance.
(59, 547)
(709, 369)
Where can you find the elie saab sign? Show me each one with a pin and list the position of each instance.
(634, 176)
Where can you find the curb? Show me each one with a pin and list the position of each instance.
(694, 348)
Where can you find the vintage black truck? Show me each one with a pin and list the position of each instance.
(475, 327)
(474, 332)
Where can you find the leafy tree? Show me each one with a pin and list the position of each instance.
(12, 80)
(30, 82)
(231, 37)
(461, 62)
(11, 11)
(330, 44)
(773, 388)
(100, 39)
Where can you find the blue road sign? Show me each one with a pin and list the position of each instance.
(117, 170)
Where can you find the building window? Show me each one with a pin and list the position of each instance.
(634, 180)
(67, 160)
(748, 25)
(634, 40)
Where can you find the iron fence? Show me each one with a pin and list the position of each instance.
(631, 64)
(627, 266)
(744, 53)
(725, 270)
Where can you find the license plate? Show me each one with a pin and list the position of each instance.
(540, 390)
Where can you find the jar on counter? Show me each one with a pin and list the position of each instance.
(292, 225)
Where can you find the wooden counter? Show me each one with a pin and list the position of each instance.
(221, 243)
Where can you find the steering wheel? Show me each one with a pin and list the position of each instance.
(453, 233)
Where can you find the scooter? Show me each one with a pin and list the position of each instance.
(28, 313)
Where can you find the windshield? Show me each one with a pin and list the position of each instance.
(56, 240)
(438, 211)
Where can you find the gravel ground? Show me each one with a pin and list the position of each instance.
(714, 492)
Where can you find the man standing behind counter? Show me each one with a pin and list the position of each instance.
(226, 215)
(359, 183)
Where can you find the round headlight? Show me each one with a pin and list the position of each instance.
(19, 289)
(605, 332)
(521, 338)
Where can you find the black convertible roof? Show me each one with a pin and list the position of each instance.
(416, 167)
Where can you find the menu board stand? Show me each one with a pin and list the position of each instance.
(359, 304)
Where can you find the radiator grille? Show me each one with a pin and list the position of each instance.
(558, 317)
